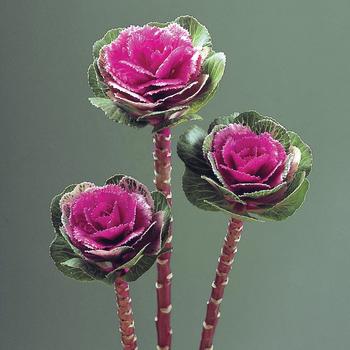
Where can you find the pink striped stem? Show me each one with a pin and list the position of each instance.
(226, 259)
(126, 318)
(162, 178)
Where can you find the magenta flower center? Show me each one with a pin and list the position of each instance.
(107, 217)
(248, 161)
(150, 68)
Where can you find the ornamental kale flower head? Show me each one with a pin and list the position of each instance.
(110, 230)
(158, 74)
(247, 165)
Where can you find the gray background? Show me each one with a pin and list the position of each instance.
(290, 287)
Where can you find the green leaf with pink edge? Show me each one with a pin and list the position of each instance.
(306, 153)
(115, 179)
(115, 113)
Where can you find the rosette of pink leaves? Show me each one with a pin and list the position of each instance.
(249, 167)
(160, 74)
(112, 233)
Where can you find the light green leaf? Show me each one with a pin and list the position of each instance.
(61, 253)
(96, 85)
(189, 149)
(167, 123)
(130, 263)
(306, 153)
(199, 33)
(115, 113)
(143, 265)
(214, 66)
(226, 210)
(107, 39)
(55, 207)
(289, 205)
(224, 191)
(263, 193)
(208, 141)
(198, 191)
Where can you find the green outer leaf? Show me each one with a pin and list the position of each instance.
(111, 35)
(128, 264)
(208, 141)
(296, 182)
(257, 123)
(263, 193)
(176, 121)
(289, 205)
(55, 207)
(199, 33)
(277, 131)
(165, 113)
(161, 204)
(143, 265)
(249, 118)
(226, 120)
(198, 191)
(94, 82)
(115, 113)
(306, 153)
(115, 179)
(224, 191)
(214, 65)
(242, 217)
(61, 252)
(189, 149)
(160, 201)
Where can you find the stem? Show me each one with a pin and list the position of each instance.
(162, 173)
(226, 259)
(126, 318)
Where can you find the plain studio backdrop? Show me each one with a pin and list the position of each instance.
(290, 285)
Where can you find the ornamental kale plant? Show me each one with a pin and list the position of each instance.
(246, 165)
(251, 168)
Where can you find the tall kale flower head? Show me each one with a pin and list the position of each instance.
(103, 232)
(247, 165)
(159, 74)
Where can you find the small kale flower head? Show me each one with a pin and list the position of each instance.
(246, 165)
(159, 74)
(103, 232)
